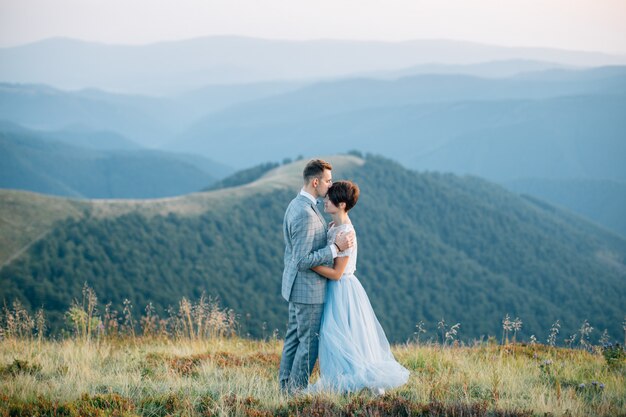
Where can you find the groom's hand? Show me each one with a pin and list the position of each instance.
(344, 240)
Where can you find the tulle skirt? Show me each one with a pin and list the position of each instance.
(354, 352)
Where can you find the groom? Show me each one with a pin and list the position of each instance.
(304, 230)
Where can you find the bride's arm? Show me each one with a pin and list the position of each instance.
(336, 271)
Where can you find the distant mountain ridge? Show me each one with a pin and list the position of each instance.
(168, 67)
(155, 121)
(504, 120)
(431, 246)
(423, 120)
(561, 138)
(491, 69)
(45, 108)
(148, 121)
(76, 135)
(35, 162)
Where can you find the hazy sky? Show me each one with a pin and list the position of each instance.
(571, 24)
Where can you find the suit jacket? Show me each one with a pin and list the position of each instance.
(304, 231)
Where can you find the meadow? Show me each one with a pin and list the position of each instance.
(193, 363)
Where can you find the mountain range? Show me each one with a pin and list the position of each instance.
(140, 143)
(420, 121)
(515, 121)
(40, 162)
(410, 118)
(169, 67)
(431, 246)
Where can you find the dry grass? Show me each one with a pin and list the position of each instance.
(191, 363)
(233, 376)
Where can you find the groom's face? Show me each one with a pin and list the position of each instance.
(324, 183)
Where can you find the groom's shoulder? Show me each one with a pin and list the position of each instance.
(297, 202)
(298, 207)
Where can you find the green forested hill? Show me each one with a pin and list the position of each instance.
(600, 200)
(431, 246)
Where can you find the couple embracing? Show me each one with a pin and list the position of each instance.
(329, 311)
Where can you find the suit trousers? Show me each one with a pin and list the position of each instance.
(301, 346)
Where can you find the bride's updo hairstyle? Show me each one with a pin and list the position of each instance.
(344, 192)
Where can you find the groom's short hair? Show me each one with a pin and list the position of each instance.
(314, 169)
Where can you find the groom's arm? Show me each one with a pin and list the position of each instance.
(302, 232)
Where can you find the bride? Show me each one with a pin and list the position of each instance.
(353, 352)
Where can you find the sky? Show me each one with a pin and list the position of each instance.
(591, 25)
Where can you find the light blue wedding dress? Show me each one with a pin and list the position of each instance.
(354, 352)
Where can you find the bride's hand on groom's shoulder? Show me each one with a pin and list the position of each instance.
(345, 240)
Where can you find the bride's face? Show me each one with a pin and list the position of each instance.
(329, 207)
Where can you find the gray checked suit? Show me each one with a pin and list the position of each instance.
(304, 231)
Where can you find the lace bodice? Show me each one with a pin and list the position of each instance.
(352, 252)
